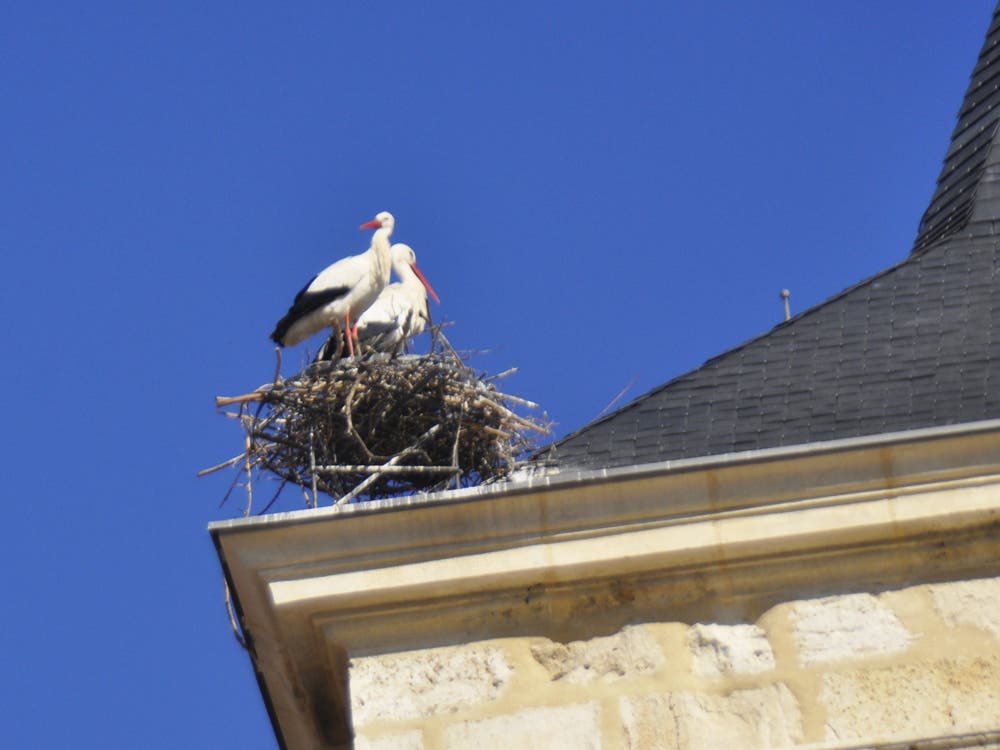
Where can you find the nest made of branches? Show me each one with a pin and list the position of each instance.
(380, 426)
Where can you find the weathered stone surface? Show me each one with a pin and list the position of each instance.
(628, 653)
(729, 649)
(425, 683)
(576, 727)
(846, 627)
(757, 719)
(939, 697)
(970, 603)
(398, 741)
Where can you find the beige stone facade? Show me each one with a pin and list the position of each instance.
(827, 672)
(838, 595)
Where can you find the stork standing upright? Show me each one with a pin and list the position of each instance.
(340, 292)
(399, 313)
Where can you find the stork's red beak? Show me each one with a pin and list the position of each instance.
(425, 282)
(373, 224)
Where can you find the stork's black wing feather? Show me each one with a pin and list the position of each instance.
(303, 304)
(333, 343)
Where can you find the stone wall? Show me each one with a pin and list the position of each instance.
(836, 672)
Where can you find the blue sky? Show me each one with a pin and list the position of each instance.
(599, 192)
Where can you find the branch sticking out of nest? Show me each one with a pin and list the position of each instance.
(380, 426)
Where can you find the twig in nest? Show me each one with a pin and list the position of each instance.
(447, 345)
(385, 468)
(499, 375)
(249, 470)
(277, 365)
(274, 497)
(349, 412)
(391, 462)
(518, 400)
(312, 471)
(246, 397)
(223, 465)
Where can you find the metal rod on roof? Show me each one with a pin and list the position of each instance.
(785, 294)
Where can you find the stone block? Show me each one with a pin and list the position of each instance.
(729, 649)
(940, 697)
(756, 719)
(397, 741)
(575, 727)
(428, 682)
(630, 652)
(846, 627)
(974, 602)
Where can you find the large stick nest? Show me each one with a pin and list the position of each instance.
(379, 426)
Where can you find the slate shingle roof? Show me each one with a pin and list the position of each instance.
(961, 177)
(917, 345)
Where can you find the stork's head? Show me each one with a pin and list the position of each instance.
(403, 255)
(382, 220)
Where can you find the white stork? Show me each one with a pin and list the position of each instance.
(340, 292)
(399, 313)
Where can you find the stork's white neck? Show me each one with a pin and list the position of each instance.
(383, 256)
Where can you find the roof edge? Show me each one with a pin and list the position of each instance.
(562, 479)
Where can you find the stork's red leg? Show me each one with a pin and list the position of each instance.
(350, 333)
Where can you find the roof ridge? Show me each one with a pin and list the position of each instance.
(956, 193)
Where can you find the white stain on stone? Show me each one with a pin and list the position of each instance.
(424, 683)
(846, 627)
(729, 649)
(974, 603)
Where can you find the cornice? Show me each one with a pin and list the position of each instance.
(569, 557)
